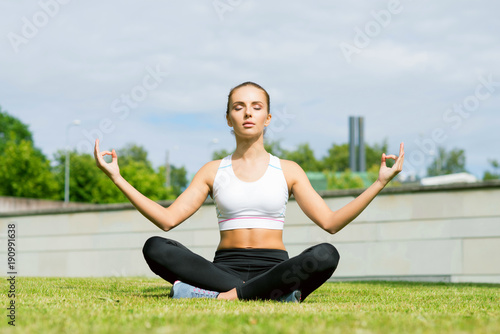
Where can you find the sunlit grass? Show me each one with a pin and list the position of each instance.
(141, 305)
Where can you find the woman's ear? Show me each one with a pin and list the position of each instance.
(229, 121)
(268, 119)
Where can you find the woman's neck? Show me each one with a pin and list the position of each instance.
(249, 148)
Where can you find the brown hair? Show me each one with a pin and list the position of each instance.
(248, 83)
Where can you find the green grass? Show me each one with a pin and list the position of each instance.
(141, 305)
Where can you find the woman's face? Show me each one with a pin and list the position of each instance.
(248, 114)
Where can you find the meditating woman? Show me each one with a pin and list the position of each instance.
(250, 188)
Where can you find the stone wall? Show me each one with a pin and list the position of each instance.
(439, 233)
(17, 204)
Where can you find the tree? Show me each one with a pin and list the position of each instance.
(139, 172)
(178, 179)
(274, 147)
(24, 172)
(345, 180)
(143, 177)
(374, 155)
(337, 159)
(304, 156)
(24, 169)
(217, 155)
(84, 179)
(12, 129)
(132, 152)
(495, 174)
(447, 162)
(88, 184)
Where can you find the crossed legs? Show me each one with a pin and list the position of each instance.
(307, 271)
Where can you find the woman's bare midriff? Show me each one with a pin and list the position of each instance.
(251, 238)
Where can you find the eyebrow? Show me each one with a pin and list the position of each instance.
(240, 102)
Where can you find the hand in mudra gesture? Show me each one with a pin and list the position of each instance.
(110, 169)
(385, 173)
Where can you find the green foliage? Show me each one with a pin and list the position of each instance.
(12, 130)
(89, 184)
(350, 180)
(447, 162)
(304, 156)
(178, 178)
(337, 159)
(374, 155)
(24, 172)
(217, 155)
(274, 147)
(53, 305)
(495, 174)
(132, 152)
(372, 174)
(345, 180)
(143, 177)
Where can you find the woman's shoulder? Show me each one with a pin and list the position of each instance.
(211, 166)
(290, 164)
(207, 172)
(291, 168)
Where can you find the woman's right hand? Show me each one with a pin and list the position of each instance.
(110, 169)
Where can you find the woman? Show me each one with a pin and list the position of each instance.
(251, 189)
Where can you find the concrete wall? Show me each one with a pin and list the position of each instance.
(445, 233)
(17, 204)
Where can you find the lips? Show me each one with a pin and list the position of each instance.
(248, 124)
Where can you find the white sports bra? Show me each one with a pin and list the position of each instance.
(259, 204)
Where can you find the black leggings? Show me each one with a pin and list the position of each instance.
(255, 273)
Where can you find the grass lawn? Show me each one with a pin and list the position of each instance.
(141, 305)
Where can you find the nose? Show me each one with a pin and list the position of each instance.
(248, 112)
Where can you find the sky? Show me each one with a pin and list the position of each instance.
(157, 74)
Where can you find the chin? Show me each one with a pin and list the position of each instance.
(252, 133)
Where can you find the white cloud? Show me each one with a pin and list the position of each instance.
(89, 54)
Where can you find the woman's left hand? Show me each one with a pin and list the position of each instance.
(385, 173)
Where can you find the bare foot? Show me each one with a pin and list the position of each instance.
(229, 295)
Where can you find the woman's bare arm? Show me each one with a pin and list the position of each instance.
(318, 211)
(165, 218)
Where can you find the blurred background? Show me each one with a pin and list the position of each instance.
(150, 79)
